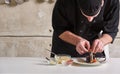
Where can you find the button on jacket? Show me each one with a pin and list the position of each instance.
(68, 17)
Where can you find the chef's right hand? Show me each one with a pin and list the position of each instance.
(82, 46)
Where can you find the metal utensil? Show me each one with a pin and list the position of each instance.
(51, 61)
(47, 58)
(51, 52)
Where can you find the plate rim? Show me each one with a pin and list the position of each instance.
(86, 64)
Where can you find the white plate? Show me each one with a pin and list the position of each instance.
(82, 62)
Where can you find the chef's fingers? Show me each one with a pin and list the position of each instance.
(78, 49)
(94, 45)
(87, 45)
(83, 48)
(99, 47)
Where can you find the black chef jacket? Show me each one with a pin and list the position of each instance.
(67, 17)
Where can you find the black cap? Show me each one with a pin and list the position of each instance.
(90, 7)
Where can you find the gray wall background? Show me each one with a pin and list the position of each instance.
(25, 30)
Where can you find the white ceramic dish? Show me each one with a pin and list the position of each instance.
(82, 62)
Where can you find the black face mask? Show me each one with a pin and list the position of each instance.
(90, 7)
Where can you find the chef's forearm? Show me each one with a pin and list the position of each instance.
(106, 39)
(70, 37)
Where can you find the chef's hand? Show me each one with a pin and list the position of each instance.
(82, 46)
(97, 46)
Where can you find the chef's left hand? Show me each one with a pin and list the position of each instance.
(97, 46)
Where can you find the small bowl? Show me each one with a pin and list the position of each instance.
(62, 58)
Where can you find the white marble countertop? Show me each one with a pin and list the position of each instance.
(31, 65)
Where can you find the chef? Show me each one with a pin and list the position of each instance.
(77, 25)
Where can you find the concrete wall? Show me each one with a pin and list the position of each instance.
(25, 30)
